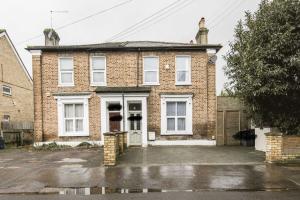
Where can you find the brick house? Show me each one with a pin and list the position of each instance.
(16, 86)
(165, 92)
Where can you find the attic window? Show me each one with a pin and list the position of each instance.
(6, 90)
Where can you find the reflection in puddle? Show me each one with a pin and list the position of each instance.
(226, 182)
(102, 191)
(107, 190)
(71, 160)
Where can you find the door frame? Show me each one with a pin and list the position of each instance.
(105, 98)
(128, 123)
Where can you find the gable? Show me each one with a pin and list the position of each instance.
(12, 67)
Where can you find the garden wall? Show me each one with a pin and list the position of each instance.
(281, 147)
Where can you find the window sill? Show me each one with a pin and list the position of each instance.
(183, 84)
(150, 84)
(176, 133)
(98, 85)
(73, 134)
(60, 85)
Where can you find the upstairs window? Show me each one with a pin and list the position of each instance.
(6, 90)
(183, 70)
(98, 70)
(66, 72)
(151, 70)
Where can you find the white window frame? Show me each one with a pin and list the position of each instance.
(157, 71)
(92, 74)
(188, 117)
(61, 101)
(189, 70)
(7, 87)
(60, 84)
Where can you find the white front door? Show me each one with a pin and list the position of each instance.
(135, 123)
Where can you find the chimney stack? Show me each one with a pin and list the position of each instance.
(51, 37)
(201, 37)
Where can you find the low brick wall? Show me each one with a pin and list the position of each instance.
(282, 147)
(115, 144)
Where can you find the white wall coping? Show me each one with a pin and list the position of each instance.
(182, 142)
(69, 143)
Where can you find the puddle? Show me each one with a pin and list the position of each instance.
(107, 190)
(5, 160)
(72, 166)
(71, 160)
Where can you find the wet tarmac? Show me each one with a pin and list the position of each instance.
(203, 195)
(81, 172)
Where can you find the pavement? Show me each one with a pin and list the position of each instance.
(152, 171)
(260, 195)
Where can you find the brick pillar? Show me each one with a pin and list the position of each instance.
(37, 96)
(274, 149)
(110, 149)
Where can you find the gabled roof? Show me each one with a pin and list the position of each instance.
(3, 33)
(129, 46)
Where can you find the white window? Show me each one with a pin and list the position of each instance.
(6, 90)
(98, 70)
(66, 72)
(73, 116)
(151, 70)
(176, 115)
(183, 70)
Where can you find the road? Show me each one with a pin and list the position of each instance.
(260, 195)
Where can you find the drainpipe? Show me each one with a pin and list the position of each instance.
(137, 67)
(42, 95)
(123, 111)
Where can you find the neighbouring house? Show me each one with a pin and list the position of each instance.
(16, 99)
(161, 93)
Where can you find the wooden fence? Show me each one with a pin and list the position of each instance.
(16, 125)
(17, 132)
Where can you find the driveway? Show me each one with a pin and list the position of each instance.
(155, 169)
(191, 155)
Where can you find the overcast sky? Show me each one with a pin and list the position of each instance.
(179, 23)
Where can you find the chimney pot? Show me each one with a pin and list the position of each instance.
(51, 37)
(201, 37)
(202, 23)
